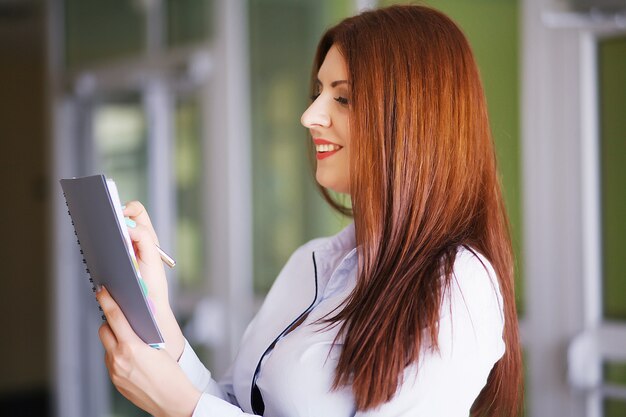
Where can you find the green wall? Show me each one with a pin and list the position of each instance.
(612, 78)
(612, 83)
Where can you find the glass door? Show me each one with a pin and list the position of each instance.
(119, 150)
(597, 356)
(612, 105)
(130, 104)
(149, 140)
(120, 146)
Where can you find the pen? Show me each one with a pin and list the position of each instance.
(169, 261)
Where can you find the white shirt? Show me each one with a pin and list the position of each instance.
(295, 370)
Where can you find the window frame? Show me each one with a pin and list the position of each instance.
(565, 336)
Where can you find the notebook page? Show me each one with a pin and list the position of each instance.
(117, 204)
(115, 198)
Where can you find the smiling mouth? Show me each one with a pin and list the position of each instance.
(324, 148)
(327, 148)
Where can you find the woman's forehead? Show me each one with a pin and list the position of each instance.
(334, 66)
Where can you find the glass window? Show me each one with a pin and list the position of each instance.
(614, 375)
(97, 33)
(120, 140)
(612, 67)
(188, 21)
(287, 208)
(103, 30)
(614, 408)
(190, 211)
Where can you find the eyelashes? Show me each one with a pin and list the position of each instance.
(339, 99)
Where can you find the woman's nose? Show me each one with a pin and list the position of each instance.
(315, 115)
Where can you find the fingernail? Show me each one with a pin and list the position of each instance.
(130, 222)
(144, 286)
(124, 207)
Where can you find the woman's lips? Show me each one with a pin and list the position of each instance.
(323, 155)
(325, 148)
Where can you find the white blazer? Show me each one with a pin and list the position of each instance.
(293, 370)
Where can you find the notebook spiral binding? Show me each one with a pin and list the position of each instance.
(93, 286)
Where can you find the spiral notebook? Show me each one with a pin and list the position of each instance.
(94, 207)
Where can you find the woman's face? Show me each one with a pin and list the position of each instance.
(327, 120)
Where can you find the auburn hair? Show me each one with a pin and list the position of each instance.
(423, 182)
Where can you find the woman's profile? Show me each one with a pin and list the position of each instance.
(408, 311)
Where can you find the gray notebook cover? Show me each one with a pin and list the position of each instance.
(104, 251)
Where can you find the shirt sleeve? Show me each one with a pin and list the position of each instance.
(445, 383)
(198, 374)
(217, 399)
(211, 406)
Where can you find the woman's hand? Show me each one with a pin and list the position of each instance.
(144, 239)
(148, 377)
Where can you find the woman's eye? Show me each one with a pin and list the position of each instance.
(341, 100)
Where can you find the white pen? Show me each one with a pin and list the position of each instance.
(169, 261)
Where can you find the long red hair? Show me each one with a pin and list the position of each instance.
(423, 182)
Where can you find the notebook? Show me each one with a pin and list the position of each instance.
(94, 207)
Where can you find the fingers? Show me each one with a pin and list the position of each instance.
(107, 337)
(144, 243)
(122, 332)
(137, 212)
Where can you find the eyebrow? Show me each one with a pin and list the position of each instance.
(334, 83)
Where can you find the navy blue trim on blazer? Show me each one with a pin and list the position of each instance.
(256, 399)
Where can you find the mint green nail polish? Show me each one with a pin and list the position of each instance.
(124, 206)
(144, 286)
(130, 222)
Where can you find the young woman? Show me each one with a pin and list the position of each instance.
(410, 310)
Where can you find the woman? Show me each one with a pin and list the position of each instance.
(410, 310)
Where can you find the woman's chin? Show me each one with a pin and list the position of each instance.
(332, 183)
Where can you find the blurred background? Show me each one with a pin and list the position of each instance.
(193, 107)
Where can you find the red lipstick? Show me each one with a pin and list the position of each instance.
(325, 154)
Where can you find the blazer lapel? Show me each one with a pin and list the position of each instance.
(293, 293)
